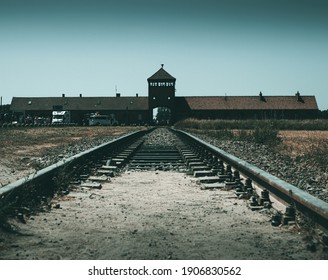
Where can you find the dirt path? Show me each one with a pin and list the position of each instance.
(148, 215)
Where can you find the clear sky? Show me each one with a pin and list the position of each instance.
(212, 47)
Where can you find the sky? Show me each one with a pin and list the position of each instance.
(212, 47)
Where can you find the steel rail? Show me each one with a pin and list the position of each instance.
(305, 202)
(42, 179)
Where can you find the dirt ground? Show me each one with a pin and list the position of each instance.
(139, 215)
(20, 147)
(154, 215)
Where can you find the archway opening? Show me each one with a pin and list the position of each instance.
(162, 116)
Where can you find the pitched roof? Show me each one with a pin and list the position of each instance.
(141, 103)
(79, 103)
(161, 74)
(251, 103)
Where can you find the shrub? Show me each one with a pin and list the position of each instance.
(266, 133)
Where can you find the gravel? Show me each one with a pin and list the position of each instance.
(161, 137)
(171, 217)
(155, 216)
(69, 151)
(302, 173)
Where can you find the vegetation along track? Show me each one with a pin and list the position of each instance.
(172, 150)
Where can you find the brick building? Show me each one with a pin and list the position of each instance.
(161, 94)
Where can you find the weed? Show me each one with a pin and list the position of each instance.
(260, 132)
(266, 133)
(317, 153)
(253, 124)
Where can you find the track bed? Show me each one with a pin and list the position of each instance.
(155, 215)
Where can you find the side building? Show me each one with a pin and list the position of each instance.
(248, 107)
(126, 110)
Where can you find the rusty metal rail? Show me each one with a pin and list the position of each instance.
(303, 201)
(129, 151)
(48, 181)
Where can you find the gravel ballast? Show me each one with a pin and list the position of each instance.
(302, 173)
(154, 216)
(158, 215)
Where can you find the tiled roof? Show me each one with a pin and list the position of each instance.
(251, 103)
(79, 103)
(190, 102)
(161, 74)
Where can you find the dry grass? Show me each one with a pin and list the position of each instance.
(19, 146)
(303, 142)
(310, 144)
(303, 139)
(218, 124)
(18, 143)
(34, 141)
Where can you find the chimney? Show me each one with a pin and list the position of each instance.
(118, 95)
(299, 98)
(63, 95)
(262, 98)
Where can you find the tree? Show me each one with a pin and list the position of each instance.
(163, 115)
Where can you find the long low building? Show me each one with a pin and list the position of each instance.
(249, 107)
(161, 94)
(126, 109)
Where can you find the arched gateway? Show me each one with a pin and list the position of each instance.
(161, 94)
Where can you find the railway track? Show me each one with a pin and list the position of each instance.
(213, 168)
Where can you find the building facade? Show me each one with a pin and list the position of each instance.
(161, 94)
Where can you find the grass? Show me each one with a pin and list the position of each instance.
(285, 137)
(259, 132)
(295, 139)
(17, 143)
(253, 124)
(29, 143)
(312, 145)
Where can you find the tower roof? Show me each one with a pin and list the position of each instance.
(161, 74)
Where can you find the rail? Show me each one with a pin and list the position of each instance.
(302, 200)
(46, 182)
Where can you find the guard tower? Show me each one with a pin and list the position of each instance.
(161, 92)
